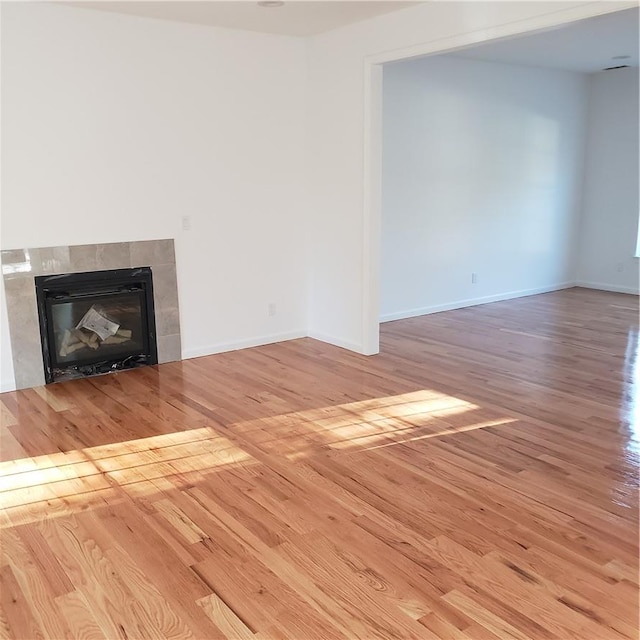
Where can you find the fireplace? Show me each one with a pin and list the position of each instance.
(96, 322)
(21, 266)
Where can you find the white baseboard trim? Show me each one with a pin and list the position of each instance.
(336, 342)
(607, 287)
(7, 386)
(223, 347)
(471, 302)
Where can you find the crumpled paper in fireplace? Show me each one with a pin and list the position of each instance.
(94, 321)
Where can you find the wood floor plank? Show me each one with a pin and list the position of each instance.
(476, 480)
(18, 611)
(225, 618)
(77, 611)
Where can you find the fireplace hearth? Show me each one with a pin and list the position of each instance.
(96, 322)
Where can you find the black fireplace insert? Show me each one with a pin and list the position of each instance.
(96, 322)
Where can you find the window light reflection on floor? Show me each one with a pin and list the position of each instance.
(39, 487)
(81, 477)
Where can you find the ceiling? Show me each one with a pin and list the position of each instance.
(585, 46)
(294, 18)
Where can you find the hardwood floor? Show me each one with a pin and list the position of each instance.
(476, 480)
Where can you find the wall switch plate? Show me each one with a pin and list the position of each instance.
(474, 278)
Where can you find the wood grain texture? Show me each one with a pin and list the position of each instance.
(476, 480)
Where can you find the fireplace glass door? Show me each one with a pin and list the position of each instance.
(96, 322)
(75, 323)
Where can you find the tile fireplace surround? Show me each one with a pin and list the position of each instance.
(20, 266)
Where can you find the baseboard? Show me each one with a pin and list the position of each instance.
(471, 302)
(259, 341)
(336, 342)
(7, 386)
(607, 287)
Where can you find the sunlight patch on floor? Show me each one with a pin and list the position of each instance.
(366, 424)
(451, 431)
(34, 488)
(81, 478)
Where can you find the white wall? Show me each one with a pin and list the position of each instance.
(136, 122)
(610, 211)
(482, 173)
(342, 295)
(7, 381)
(115, 126)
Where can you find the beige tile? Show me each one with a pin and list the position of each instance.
(169, 349)
(167, 322)
(113, 256)
(30, 373)
(83, 257)
(12, 256)
(19, 287)
(24, 330)
(54, 260)
(27, 355)
(17, 263)
(165, 286)
(152, 252)
(22, 310)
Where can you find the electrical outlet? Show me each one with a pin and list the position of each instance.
(620, 267)
(186, 223)
(474, 278)
(271, 309)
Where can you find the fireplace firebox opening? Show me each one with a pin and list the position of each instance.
(96, 322)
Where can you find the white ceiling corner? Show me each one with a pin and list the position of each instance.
(294, 18)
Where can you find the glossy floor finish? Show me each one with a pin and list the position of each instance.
(476, 480)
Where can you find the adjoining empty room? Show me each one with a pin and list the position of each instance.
(319, 320)
(511, 169)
